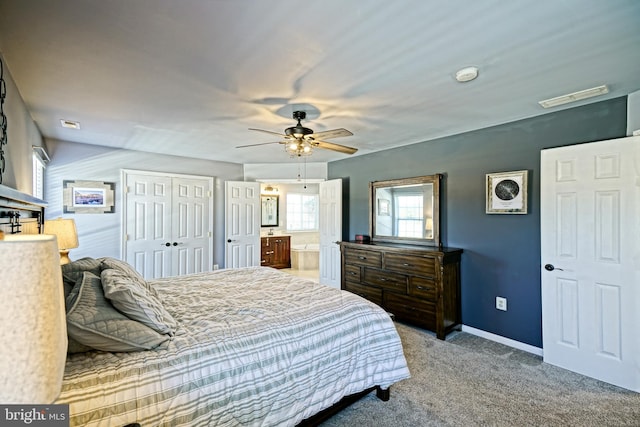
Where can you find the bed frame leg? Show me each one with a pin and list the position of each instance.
(383, 394)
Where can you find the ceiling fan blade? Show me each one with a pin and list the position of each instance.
(334, 147)
(268, 131)
(335, 133)
(263, 143)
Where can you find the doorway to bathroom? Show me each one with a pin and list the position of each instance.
(296, 216)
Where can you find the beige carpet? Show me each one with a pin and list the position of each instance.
(470, 381)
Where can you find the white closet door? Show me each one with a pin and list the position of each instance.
(191, 225)
(148, 224)
(168, 223)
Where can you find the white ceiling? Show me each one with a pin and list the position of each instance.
(189, 77)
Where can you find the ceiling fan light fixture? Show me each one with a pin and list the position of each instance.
(300, 141)
(299, 148)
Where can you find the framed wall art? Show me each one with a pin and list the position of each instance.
(83, 197)
(384, 207)
(507, 192)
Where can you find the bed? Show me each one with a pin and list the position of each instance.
(244, 347)
(253, 346)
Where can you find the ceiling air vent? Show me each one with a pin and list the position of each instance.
(575, 96)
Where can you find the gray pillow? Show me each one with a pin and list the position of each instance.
(128, 270)
(92, 321)
(75, 347)
(135, 300)
(72, 272)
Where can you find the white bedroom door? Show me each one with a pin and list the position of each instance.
(168, 225)
(330, 232)
(242, 224)
(590, 242)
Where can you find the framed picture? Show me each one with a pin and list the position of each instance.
(384, 207)
(88, 197)
(507, 192)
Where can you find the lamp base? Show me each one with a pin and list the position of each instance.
(64, 257)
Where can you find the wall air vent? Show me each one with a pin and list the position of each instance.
(69, 124)
(575, 96)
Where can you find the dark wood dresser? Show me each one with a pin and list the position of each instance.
(275, 251)
(418, 284)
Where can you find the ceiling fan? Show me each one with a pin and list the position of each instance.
(300, 141)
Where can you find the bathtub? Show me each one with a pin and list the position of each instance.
(305, 256)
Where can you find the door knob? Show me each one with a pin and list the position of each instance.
(167, 244)
(175, 243)
(551, 267)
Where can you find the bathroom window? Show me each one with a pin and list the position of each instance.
(302, 212)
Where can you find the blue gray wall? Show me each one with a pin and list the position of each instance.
(501, 252)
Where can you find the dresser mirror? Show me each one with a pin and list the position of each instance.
(406, 210)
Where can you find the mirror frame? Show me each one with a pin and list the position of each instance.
(265, 201)
(425, 179)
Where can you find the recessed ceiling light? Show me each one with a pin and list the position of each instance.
(69, 124)
(467, 74)
(575, 96)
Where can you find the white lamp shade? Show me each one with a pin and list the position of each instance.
(32, 313)
(65, 230)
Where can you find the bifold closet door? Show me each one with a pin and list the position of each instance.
(168, 224)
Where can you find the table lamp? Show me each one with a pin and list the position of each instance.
(65, 230)
(32, 313)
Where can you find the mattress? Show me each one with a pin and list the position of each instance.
(254, 347)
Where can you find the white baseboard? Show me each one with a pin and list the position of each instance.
(503, 340)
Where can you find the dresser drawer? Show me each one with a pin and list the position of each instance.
(352, 272)
(421, 287)
(421, 313)
(386, 279)
(363, 257)
(372, 294)
(423, 266)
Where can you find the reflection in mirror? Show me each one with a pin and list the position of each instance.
(406, 210)
(269, 212)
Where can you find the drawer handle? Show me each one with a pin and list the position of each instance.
(362, 257)
(423, 288)
(406, 264)
(353, 273)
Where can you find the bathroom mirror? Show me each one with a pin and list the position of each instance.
(406, 210)
(269, 211)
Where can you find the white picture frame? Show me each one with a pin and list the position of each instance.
(506, 192)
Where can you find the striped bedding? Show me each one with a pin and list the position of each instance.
(255, 347)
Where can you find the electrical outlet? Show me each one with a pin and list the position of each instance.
(215, 266)
(501, 303)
